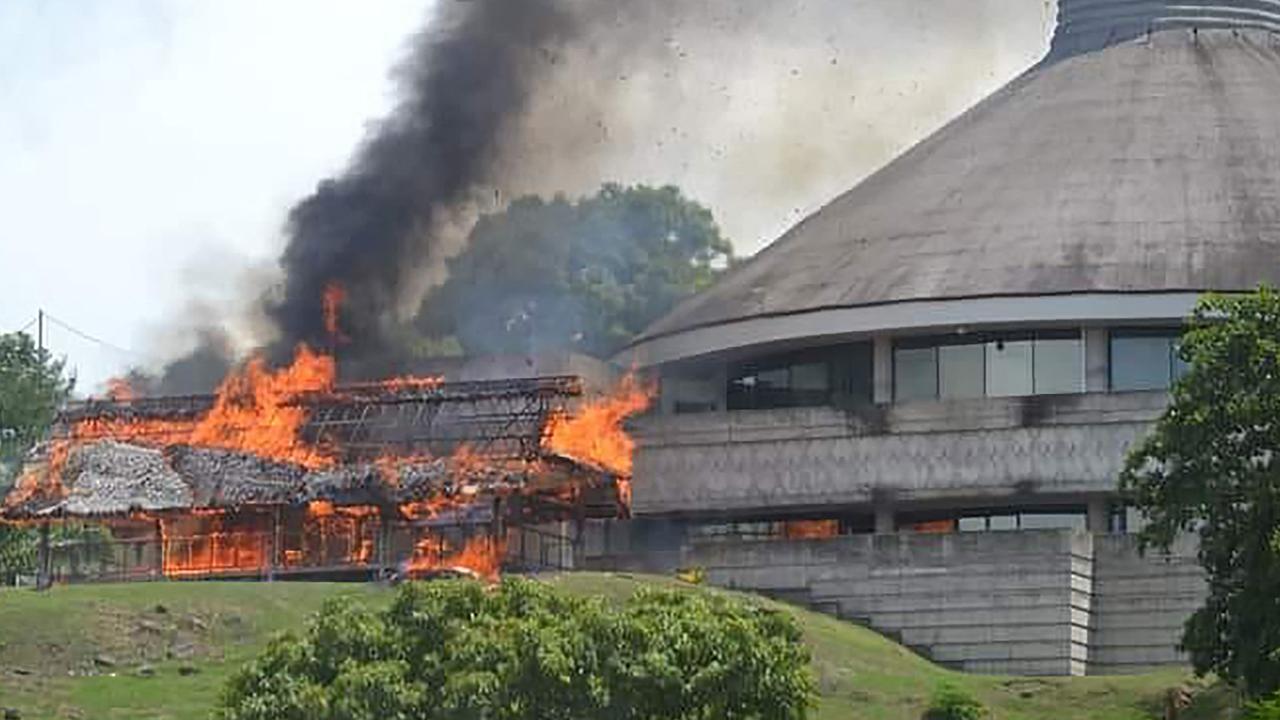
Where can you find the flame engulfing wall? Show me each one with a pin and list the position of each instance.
(253, 412)
(594, 434)
(248, 482)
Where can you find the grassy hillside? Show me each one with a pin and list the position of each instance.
(163, 650)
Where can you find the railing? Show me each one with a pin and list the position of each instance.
(1087, 25)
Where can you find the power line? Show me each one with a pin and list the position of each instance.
(26, 327)
(86, 336)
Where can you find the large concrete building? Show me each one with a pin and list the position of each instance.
(912, 408)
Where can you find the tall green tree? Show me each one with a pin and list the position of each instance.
(32, 386)
(585, 275)
(1212, 467)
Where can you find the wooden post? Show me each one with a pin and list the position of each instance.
(386, 551)
(498, 527)
(162, 550)
(273, 549)
(44, 560)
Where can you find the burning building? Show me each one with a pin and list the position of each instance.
(286, 473)
(911, 410)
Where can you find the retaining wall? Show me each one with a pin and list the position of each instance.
(1051, 602)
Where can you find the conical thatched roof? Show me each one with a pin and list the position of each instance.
(1152, 165)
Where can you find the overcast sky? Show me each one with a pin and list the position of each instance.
(146, 143)
(149, 149)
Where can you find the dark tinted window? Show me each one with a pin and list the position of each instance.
(1145, 359)
(820, 376)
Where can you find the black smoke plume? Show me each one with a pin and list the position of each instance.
(761, 109)
(470, 73)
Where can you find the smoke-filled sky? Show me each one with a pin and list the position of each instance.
(150, 150)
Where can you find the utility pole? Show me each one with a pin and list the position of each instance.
(44, 569)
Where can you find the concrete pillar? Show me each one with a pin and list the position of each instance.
(882, 369)
(886, 524)
(1097, 357)
(1098, 515)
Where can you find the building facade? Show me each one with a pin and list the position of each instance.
(912, 409)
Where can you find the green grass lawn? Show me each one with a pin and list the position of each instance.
(81, 652)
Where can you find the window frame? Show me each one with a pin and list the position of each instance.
(984, 340)
(842, 362)
(1171, 335)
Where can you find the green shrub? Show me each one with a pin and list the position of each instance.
(455, 650)
(954, 703)
(1266, 709)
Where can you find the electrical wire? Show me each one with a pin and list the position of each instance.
(86, 336)
(26, 327)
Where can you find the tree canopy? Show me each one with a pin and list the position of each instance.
(461, 651)
(32, 386)
(586, 275)
(1212, 467)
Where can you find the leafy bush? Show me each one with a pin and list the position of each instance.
(17, 552)
(1268, 709)
(953, 703)
(456, 650)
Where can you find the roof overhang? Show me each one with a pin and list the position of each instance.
(910, 317)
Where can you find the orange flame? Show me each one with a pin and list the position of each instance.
(251, 413)
(481, 555)
(595, 433)
(214, 548)
(334, 297)
(810, 529)
(119, 390)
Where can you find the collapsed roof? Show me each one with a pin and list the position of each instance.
(439, 443)
(109, 478)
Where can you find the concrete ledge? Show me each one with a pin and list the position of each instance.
(1021, 651)
(978, 616)
(939, 636)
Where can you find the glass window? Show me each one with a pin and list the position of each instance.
(772, 379)
(1141, 360)
(973, 524)
(1053, 521)
(851, 373)
(1009, 368)
(810, 376)
(915, 374)
(1059, 366)
(960, 371)
(1003, 522)
(1047, 362)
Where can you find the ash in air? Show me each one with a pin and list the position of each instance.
(762, 108)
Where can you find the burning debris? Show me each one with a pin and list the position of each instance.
(286, 471)
(595, 434)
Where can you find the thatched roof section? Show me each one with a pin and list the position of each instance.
(109, 478)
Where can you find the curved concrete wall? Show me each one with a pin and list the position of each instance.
(738, 461)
